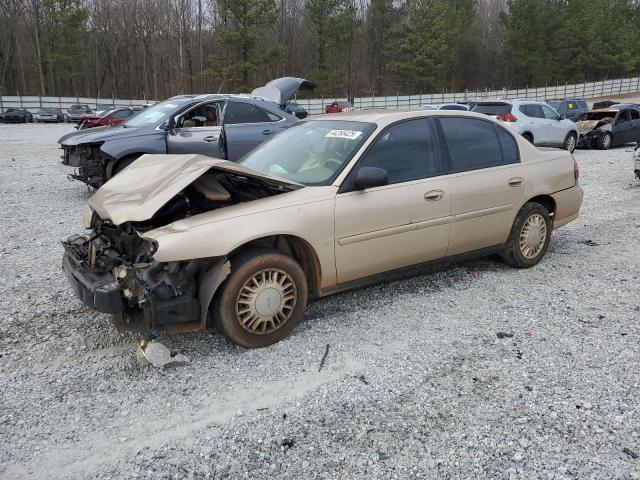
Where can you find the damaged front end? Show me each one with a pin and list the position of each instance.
(112, 266)
(89, 162)
(113, 271)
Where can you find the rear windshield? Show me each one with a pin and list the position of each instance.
(492, 108)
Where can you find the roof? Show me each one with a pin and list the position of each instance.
(385, 117)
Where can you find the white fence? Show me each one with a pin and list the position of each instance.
(34, 102)
(619, 86)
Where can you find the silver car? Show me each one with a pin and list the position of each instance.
(534, 120)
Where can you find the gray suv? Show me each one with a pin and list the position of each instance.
(534, 120)
(217, 125)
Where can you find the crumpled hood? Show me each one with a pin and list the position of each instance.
(141, 189)
(99, 134)
(585, 126)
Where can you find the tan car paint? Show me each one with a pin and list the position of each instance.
(376, 230)
(390, 227)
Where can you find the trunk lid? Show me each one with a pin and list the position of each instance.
(281, 90)
(140, 190)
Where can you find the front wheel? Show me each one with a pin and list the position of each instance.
(604, 141)
(529, 237)
(262, 300)
(570, 142)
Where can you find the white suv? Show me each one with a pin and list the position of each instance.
(536, 121)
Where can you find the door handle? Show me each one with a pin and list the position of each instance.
(433, 195)
(267, 132)
(209, 139)
(515, 181)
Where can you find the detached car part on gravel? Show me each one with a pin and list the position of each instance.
(221, 125)
(328, 205)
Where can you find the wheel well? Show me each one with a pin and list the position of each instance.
(298, 249)
(114, 162)
(528, 135)
(547, 202)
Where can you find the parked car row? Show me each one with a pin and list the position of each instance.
(218, 125)
(329, 204)
(76, 114)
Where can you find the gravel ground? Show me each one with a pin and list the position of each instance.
(416, 383)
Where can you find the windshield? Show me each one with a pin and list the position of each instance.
(152, 115)
(597, 115)
(311, 153)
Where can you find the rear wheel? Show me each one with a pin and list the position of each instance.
(528, 136)
(262, 300)
(529, 237)
(604, 141)
(570, 142)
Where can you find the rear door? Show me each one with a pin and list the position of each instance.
(246, 126)
(535, 123)
(197, 131)
(487, 182)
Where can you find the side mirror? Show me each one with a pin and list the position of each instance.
(562, 116)
(171, 124)
(369, 177)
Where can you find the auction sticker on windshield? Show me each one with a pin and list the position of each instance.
(348, 134)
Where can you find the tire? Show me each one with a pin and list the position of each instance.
(603, 141)
(570, 142)
(281, 287)
(518, 251)
(528, 137)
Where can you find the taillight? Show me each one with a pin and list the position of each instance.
(576, 170)
(507, 117)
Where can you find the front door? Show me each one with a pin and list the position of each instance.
(622, 128)
(400, 224)
(197, 131)
(487, 182)
(555, 133)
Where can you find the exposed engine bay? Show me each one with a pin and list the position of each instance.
(113, 270)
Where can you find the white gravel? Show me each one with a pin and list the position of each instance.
(416, 384)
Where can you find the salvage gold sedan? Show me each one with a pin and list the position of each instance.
(330, 204)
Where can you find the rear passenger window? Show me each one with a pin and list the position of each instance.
(508, 145)
(475, 144)
(532, 110)
(240, 112)
(405, 150)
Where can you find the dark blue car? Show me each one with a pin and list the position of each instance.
(218, 125)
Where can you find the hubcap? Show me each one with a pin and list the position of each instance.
(606, 141)
(533, 236)
(571, 143)
(266, 301)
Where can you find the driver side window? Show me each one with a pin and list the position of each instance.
(205, 115)
(405, 150)
(623, 117)
(549, 113)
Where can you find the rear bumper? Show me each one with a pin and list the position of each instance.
(97, 290)
(568, 203)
